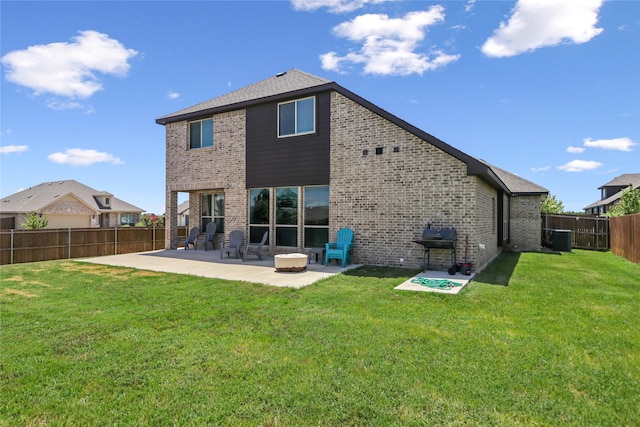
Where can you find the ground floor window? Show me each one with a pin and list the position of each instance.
(212, 209)
(316, 216)
(297, 211)
(128, 219)
(287, 216)
(258, 213)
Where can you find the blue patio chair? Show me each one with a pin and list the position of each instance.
(255, 248)
(233, 245)
(341, 248)
(190, 239)
(209, 235)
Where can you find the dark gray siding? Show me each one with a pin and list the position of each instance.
(292, 161)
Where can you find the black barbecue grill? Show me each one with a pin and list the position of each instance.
(438, 238)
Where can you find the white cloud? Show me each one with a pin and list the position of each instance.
(57, 105)
(469, 6)
(334, 6)
(67, 69)
(82, 157)
(620, 144)
(173, 95)
(389, 44)
(572, 149)
(541, 169)
(9, 149)
(580, 165)
(538, 23)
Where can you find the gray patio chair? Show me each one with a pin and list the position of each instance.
(255, 248)
(233, 245)
(190, 239)
(209, 235)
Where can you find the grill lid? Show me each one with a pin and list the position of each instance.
(439, 234)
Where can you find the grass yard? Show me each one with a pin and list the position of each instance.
(536, 339)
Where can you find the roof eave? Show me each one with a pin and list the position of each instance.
(474, 166)
(244, 104)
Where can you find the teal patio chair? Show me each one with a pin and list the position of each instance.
(341, 248)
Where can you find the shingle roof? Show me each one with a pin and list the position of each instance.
(297, 83)
(288, 81)
(624, 180)
(517, 185)
(35, 198)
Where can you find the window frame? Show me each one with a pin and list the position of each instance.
(295, 118)
(129, 217)
(214, 215)
(282, 226)
(257, 229)
(200, 121)
(309, 227)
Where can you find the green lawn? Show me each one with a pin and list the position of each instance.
(536, 339)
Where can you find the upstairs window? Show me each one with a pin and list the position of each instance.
(201, 134)
(297, 117)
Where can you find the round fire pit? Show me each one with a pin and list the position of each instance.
(290, 262)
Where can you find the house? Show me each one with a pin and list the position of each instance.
(610, 193)
(183, 213)
(69, 204)
(301, 157)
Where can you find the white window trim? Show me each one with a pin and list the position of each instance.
(189, 134)
(295, 120)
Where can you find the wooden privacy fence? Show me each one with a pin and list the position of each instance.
(18, 246)
(625, 236)
(586, 232)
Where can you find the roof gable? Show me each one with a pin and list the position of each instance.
(289, 81)
(298, 83)
(624, 180)
(36, 198)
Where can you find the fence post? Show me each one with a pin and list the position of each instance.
(115, 240)
(69, 243)
(11, 257)
(153, 238)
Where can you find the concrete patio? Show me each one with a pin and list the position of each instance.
(208, 264)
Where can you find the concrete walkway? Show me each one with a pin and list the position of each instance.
(208, 264)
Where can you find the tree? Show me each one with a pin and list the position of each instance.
(33, 221)
(551, 205)
(149, 220)
(629, 203)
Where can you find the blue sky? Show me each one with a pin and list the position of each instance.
(548, 90)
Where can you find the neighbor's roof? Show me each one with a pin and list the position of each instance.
(298, 83)
(183, 207)
(35, 198)
(623, 181)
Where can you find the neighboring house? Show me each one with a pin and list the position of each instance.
(69, 204)
(301, 157)
(183, 213)
(610, 193)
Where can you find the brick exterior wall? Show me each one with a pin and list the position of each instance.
(220, 168)
(526, 228)
(484, 242)
(388, 198)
